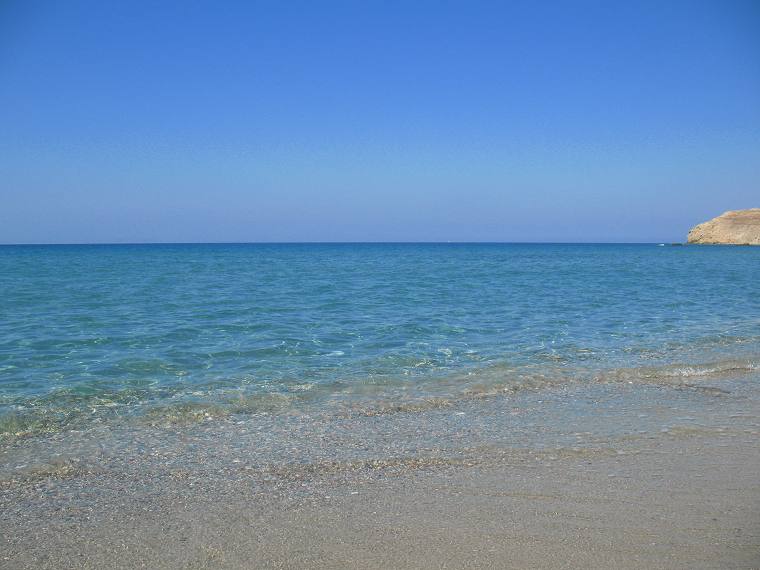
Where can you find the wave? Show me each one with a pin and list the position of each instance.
(371, 396)
(678, 372)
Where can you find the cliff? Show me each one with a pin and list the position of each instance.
(738, 227)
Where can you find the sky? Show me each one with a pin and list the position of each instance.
(375, 121)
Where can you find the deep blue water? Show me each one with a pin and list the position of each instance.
(92, 333)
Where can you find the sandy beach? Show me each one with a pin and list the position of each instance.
(676, 492)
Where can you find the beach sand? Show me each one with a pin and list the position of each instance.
(684, 496)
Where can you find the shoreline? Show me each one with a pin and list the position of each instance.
(378, 397)
(595, 476)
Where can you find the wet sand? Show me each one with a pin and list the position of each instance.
(683, 496)
(683, 503)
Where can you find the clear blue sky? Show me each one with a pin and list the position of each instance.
(368, 121)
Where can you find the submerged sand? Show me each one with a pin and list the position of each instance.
(583, 477)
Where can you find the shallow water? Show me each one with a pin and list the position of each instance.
(161, 334)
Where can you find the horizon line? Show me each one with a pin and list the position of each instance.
(12, 244)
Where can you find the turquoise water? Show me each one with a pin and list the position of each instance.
(176, 332)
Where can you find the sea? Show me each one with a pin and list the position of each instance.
(106, 342)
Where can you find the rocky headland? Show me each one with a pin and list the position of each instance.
(736, 227)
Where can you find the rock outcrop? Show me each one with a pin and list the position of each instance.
(738, 227)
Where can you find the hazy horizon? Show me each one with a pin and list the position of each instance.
(449, 242)
(578, 122)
